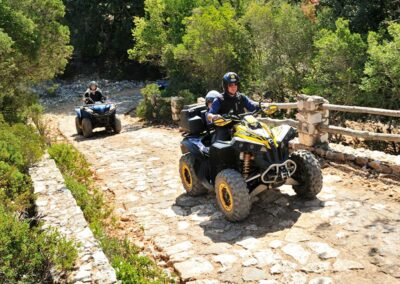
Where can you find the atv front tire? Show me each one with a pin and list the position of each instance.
(232, 195)
(308, 174)
(117, 125)
(78, 126)
(87, 128)
(190, 181)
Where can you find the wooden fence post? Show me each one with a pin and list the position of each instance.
(311, 116)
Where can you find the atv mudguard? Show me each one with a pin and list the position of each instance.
(187, 146)
(201, 166)
(78, 112)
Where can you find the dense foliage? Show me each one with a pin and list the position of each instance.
(286, 47)
(27, 253)
(33, 47)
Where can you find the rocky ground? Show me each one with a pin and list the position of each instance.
(350, 234)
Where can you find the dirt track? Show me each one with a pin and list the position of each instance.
(350, 234)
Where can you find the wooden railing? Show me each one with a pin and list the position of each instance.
(313, 120)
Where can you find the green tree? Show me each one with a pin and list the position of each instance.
(364, 15)
(33, 47)
(382, 70)
(100, 31)
(281, 47)
(149, 33)
(337, 65)
(170, 33)
(214, 43)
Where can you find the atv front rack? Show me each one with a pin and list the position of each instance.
(276, 172)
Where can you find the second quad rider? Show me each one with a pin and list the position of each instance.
(93, 94)
(229, 102)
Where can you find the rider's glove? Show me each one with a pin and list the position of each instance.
(215, 117)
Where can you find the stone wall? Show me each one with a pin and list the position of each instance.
(368, 159)
(57, 208)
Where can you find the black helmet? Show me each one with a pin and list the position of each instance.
(230, 77)
(211, 95)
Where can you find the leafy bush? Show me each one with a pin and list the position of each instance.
(70, 161)
(145, 110)
(15, 188)
(338, 65)
(20, 145)
(52, 90)
(382, 70)
(35, 112)
(150, 90)
(188, 97)
(154, 106)
(78, 180)
(92, 204)
(27, 253)
(130, 266)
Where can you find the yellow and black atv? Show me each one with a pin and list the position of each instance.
(255, 159)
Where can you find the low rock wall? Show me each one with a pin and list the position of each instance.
(374, 160)
(57, 208)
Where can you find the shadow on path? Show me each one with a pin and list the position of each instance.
(273, 212)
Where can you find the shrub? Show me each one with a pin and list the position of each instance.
(154, 106)
(70, 161)
(15, 188)
(188, 97)
(27, 254)
(92, 204)
(145, 110)
(20, 145)
(52, 90)
(35, 112)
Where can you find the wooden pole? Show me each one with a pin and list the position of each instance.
(357, 109)
(360, 134)
(282, 105)
(277, 122)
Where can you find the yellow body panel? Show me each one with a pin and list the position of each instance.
(243, 131)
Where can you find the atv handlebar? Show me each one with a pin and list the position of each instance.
(268, 109)
(230, 117)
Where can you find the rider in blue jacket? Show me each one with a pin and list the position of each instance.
(229, 102)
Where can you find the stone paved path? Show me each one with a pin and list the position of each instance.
(350, 234)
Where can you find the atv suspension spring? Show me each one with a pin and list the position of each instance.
(246, 164)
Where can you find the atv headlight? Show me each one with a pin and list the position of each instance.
(284, 133)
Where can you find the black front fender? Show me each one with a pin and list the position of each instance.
(189, 147)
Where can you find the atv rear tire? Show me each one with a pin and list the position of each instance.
(190, 181)
(87, 128)
(117, 125)
(232, 195)
(308, 174)
(78, 126)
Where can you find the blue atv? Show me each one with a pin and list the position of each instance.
(98, 114)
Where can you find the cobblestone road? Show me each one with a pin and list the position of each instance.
(350, 234)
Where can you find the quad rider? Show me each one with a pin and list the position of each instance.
(229, 102)
(210, 97)
(93, 94)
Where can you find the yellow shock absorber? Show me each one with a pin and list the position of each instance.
(246, 164)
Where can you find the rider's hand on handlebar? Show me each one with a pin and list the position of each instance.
(215, 117)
